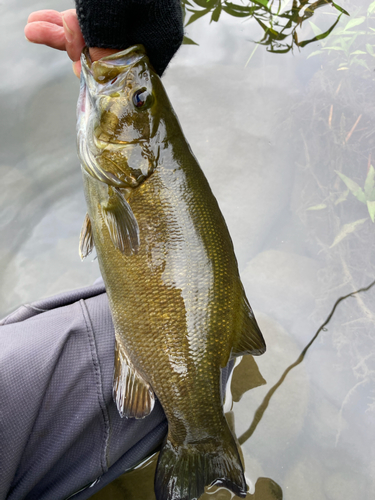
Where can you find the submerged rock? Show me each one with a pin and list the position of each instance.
(267, 489)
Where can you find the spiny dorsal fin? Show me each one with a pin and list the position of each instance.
(121, 223)
(86, 241)
(132, 394)
(249, 339)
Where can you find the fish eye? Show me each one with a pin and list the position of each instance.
(142, 98)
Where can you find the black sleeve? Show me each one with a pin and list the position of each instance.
(118, 24)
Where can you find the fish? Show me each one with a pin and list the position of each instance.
(179, 308)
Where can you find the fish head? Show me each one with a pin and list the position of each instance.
(119, 124)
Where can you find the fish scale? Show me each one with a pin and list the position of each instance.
(179, 309)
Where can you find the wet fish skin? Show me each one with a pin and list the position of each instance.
(166, 257)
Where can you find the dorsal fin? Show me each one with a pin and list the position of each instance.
(249, 339)
(86, 241)
(121, 223)
(132, 394)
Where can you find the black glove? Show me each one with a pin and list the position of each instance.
(118, 24)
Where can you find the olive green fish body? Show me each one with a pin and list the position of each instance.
(166, 257)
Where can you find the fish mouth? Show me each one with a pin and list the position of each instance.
(110, 66)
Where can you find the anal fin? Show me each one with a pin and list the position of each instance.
(249, 339)
(86, 241)
(132, 394)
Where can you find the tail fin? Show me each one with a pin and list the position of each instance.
(183, 472)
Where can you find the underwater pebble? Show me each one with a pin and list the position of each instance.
(267, 489)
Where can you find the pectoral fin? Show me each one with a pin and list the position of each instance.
(133, 395)
(86, 241)
(121, 223)
(249, 339)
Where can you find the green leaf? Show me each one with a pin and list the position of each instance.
(343, 32)
(353, 186)
(261, 2)
(265, 28)
(231, 5)
(355, 22)
(280, 51)
(197, 14)
(357, 52)
(333, 48)
(346, 230)
(340, 9)
(234, 13)
(317, 207)
(370, 49)
(314, 53)
(342, 197)
(371, 209)
(371, 8)
(216, 13)
(322, 35)
(188, 41)
(206, 4)
(316, 30)
(360, 62)
(370, 183)
(350, 41)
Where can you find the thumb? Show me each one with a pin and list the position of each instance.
(73, 35)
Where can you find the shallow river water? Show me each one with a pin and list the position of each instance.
(286, 140)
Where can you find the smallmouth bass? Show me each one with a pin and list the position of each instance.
(178, 306)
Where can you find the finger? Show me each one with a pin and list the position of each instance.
(77, 68)
(46, 33)
(49, 16)
(69, 11)
(73, 35)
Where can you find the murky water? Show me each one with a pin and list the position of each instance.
(279, 137)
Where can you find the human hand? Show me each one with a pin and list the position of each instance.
(60, 30)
